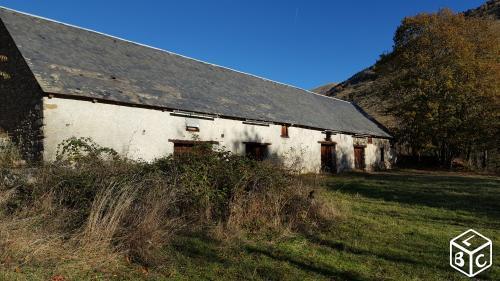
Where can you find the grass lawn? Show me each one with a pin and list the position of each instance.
(395, 226)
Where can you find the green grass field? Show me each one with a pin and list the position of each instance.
(394, 226)
(397, 227)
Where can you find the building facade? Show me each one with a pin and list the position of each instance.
(146, 103)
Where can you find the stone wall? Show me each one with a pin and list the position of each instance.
(140, 133)
(21, 113)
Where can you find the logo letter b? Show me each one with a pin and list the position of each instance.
(459, 259)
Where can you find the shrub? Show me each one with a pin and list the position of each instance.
(80, 149)
(10, 155)
(135, 208)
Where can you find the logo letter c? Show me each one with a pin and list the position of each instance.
(480, 264)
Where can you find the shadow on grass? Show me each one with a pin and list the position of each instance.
(457, 193)
(199, 247)
(395, 258)
(201, 251)
(305, 264)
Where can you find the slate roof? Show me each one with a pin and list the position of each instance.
(77, 62)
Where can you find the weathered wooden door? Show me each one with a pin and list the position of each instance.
(359, 157)
(183, 148)
(256, 151)
(328, 159)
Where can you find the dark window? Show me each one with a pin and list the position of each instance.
(256, 151)
(328, 136)
(284, 131)
(370, 140)
(382, 155)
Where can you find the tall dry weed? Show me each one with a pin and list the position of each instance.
(108, 209)
(99, 209)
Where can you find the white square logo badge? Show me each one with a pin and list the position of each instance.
(471, 253)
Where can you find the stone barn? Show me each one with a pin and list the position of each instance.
(58, 81)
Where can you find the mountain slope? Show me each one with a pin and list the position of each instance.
(490, 9)
(324, 88)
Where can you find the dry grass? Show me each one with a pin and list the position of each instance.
(99, 213)
(27, 243)
(108, 209)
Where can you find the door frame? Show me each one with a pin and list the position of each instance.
(332, 168)
(363, 157)
(264, 152)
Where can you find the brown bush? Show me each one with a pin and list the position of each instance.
(10, 155)
(109, 207)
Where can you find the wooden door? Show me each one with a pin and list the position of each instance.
(359, 157)
(256, 151)
(183, 148)
(328, 159)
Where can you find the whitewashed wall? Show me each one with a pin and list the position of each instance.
(373, 155)
(140, 133)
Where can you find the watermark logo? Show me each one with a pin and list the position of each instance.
(471, 253)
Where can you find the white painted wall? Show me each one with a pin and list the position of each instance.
(373, 155)
(140, 133)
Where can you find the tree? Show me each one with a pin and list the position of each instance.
(442, 80)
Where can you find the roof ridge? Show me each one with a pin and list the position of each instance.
(169, 52)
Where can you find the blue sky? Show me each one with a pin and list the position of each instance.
(302, 43)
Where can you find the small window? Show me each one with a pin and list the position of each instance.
(284, 131)
(370, 140)
(192, 129)
(192, 125)
(328, 136)
(382, 155)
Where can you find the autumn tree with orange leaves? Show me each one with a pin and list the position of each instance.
(442, 81)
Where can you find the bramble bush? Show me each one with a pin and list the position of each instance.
(98, 200)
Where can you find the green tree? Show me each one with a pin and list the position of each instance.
(442, 82)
